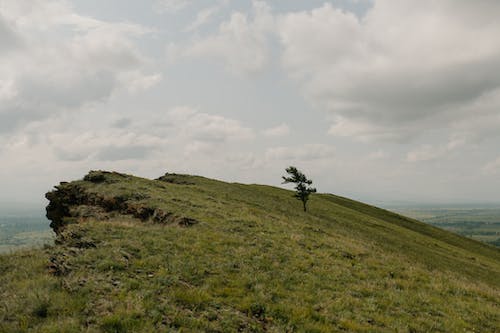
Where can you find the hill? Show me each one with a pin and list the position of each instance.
(189, 254)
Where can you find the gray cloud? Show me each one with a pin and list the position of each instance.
(67, 73)
(8, 38)
(242, 42)
(122, 123)
(305, 152)
(397, 67)
(115, 153)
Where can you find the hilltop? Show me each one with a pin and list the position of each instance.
(187, 253)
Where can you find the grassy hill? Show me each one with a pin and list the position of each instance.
(190, 254)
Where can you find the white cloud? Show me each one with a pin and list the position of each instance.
(377, 155)
(277, 131)
(8, 37)
(7, 90)
(202, 18)
(425, 153)
(207, 128)
(242, 42)
(136, 81)
(429, 152)
(305, 152)
(51, 72)
(182, 132)
(406, 65)
(171, 6)
(492, 167)
(366, 131)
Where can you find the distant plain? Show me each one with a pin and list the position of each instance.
(481, 223)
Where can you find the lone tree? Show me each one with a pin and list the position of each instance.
(301, 181)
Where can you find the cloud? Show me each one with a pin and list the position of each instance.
(171, 6)
(377, 155)
(306, 152)
(105, 144)
(202, 18)
(50, 72)
(114, 153)
(277, 131)
(202, 127)
(408, 65)
(425, 153)
(366, 131)
(241, 43)
(136, 81)
(430, 152)
(480, 120)
(8, 37)
(182, 130)
(492, 167)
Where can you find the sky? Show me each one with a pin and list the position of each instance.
(381, 101)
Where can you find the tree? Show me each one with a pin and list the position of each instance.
(302, 189)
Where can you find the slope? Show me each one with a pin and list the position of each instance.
(186, 253)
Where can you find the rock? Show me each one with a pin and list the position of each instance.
(174, 178)
(75, 202)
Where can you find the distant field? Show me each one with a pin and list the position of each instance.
(482, 224)
(24, 231)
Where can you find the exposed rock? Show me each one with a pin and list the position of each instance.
(186, 221)
(99, 176)
(57, 265)
(174, 178)
(75, 240)
(75, 202)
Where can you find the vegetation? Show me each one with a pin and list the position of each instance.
(302, 190)
(19, 231)
(252, 262)
(479, 223)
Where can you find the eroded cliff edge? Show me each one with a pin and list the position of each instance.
(103, 195)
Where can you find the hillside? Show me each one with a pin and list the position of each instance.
(189, 254)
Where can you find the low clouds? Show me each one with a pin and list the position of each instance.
(191, 124)
(277, 131)
(492, 167)
(7, 36)
(399, 71)
(202, 18)
(301, 153)
(396, 96)
(181, 131)
(171, 6)
(105, 144)
(242, 42)
(44, 76)
(402, 65)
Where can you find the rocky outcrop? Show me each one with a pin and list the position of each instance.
(174, 178)
(75, 202)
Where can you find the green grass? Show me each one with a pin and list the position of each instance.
(255, 262)
(478, 223)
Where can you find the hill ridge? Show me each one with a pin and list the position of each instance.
(252, 262)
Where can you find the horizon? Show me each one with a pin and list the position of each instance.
(33, 208)
(382, 102)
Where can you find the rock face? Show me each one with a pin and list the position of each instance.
(77, 201)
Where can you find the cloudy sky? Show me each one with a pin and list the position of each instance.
(381, 101)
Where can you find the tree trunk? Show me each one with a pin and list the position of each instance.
(304, 203)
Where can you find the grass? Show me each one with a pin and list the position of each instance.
(255, 262)
(478, 223)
